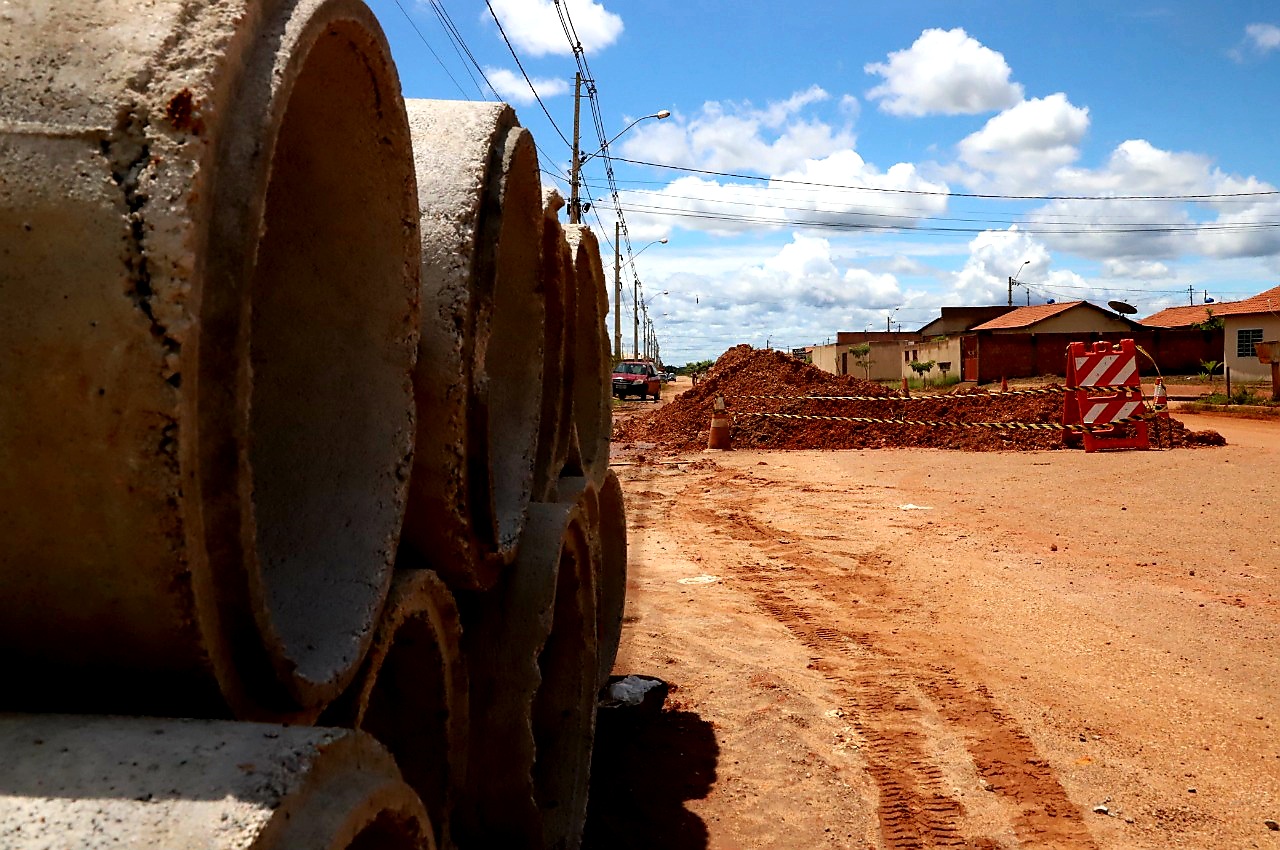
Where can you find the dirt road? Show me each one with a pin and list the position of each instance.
(919, 649)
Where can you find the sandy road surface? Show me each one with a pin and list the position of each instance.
(919, 649)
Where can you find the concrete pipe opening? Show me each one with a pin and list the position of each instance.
(412, 692)
(331, 409)
(211, 278)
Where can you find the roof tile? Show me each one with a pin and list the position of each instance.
(1023, 317)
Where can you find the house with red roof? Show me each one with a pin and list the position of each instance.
(1244, 323)
(1078, 317)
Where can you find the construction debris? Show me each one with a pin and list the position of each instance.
(756, 381)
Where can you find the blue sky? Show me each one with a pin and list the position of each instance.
(858, 135)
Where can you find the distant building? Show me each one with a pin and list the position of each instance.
(1065, 317)
(957, 320)
(880, 364)
(1244, 324)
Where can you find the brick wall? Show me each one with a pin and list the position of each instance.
(1177, 351)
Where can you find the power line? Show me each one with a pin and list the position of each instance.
(440, 61)
(1203, 197)
(520, 65)
(845, 224)
(1054, 219)
(461, 46)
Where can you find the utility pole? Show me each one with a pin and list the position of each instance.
(1191, 294)
(1010, 292)
(617, 289)
(635, 313)
(575, 206)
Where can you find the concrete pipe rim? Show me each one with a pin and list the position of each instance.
(329, 324)
(593, 410)
(612, 587)
(563, 708)
(412, 693)
(511, 353)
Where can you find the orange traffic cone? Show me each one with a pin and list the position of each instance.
(718, 438)
(906, 392)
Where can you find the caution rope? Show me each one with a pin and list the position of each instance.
(1037, 391)
(995, 426)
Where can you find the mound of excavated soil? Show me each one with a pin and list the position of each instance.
(742, 372)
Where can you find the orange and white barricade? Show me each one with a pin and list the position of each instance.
(1103, 389)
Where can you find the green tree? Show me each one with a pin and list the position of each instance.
(862, 358)
(1209, 369)
(1211, 322)
(920, 367)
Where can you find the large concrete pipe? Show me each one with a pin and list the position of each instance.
(606, 519)
(94, 783)
(533, 690)
(611, 582)
(412, 692)
(560, 334)
(592, 399)
(479, 377)
(208, 324)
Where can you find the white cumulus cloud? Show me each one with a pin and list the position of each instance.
(1138, 228)
(944, 72)
(513, 88)
(1263, 37)
(815, 177)
(1022, 146)
(1137, 269)
(741, 136)
(534, 25)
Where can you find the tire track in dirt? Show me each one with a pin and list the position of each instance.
(889, 696)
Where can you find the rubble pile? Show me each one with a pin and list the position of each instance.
(743, 374)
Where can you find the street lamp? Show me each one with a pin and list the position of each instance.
(575, 166)
(617, 286)
(1013, 281)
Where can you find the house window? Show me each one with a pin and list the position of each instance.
(1246, 339)
(906, 356)
(915, 355)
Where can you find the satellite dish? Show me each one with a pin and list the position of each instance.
(1122, 308)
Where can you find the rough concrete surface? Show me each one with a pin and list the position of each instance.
(110, 782)
(521, 676)
(611, 583)
(479, 407)
(556, 438)
(564, 706)
(412, 692)
(592, 402)
(178, 424)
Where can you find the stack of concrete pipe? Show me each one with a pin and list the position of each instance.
(307, 533)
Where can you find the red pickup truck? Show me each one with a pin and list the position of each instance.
(636, 377)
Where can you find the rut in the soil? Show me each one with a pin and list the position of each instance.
(893, 701)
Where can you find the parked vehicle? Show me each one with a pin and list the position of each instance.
(636, 377)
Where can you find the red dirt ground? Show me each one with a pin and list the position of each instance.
(743, 372)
